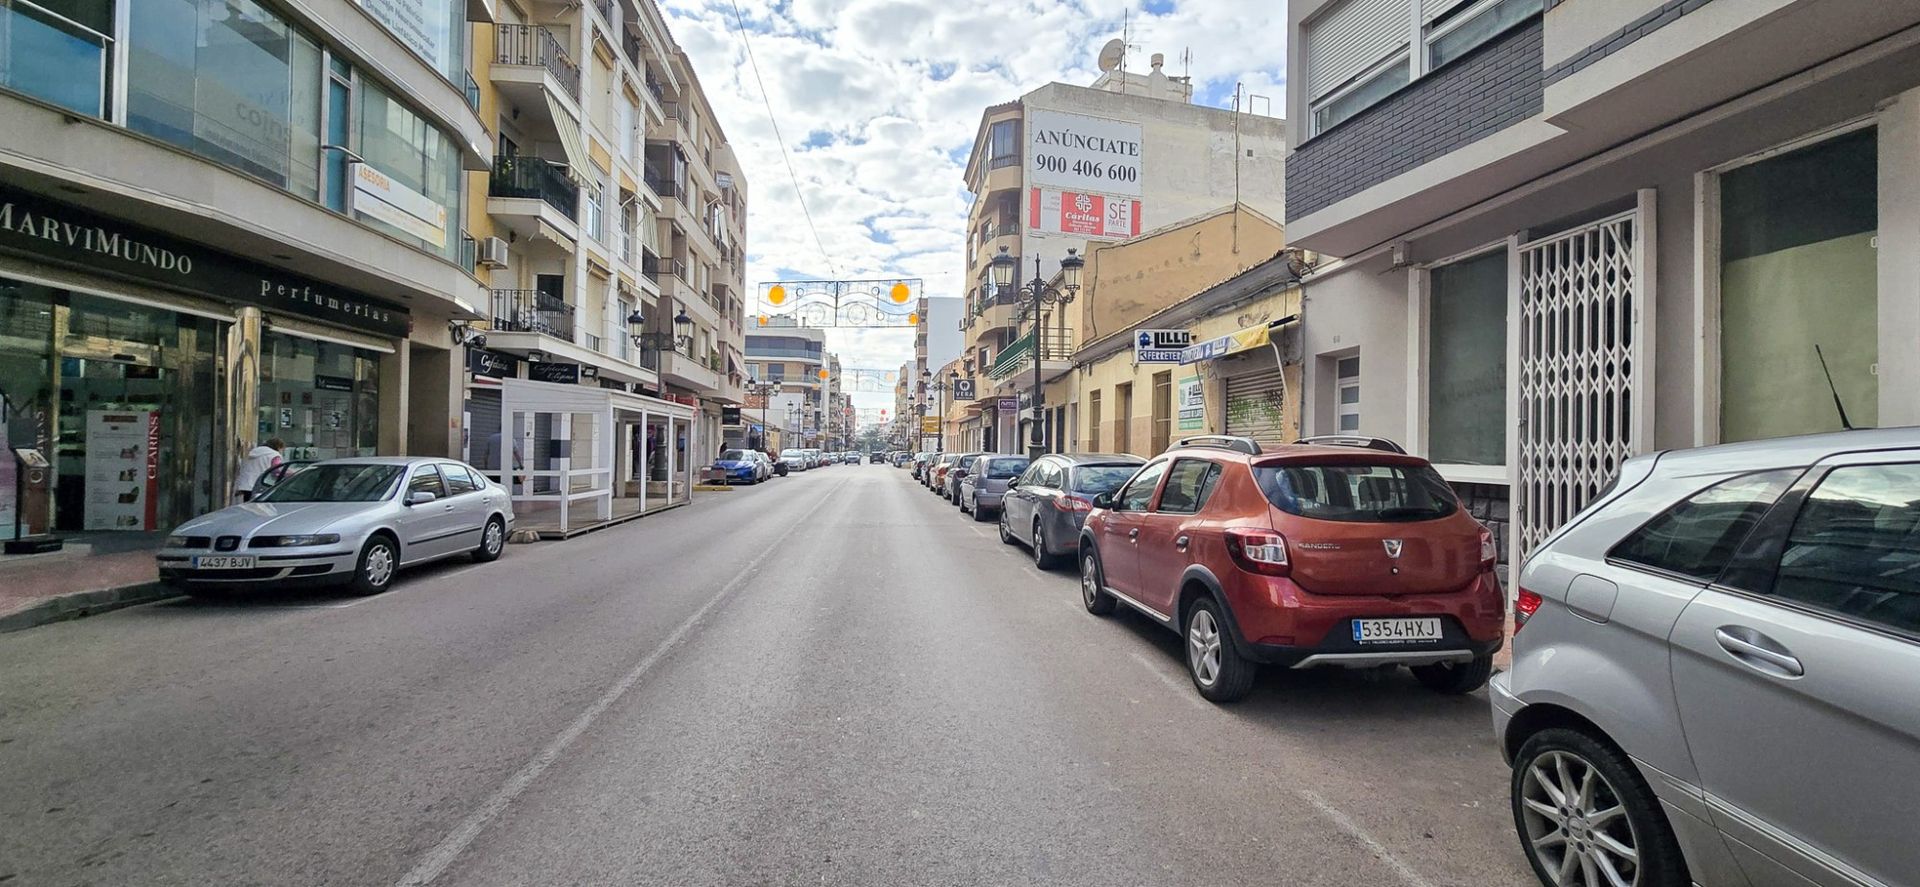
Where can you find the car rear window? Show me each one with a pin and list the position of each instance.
(734, 456)
(1358, 492)
(1004, 468)
(1092, 480)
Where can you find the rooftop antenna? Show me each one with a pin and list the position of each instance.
(1837, 405)
(1113, 56)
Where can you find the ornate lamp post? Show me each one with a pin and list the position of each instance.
(682, 333)
(767, 391)
(938, 389)
(1040, 296)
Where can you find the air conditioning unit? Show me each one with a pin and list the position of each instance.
(492, 253)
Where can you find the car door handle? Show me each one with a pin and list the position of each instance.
(1180, 542)
(1754, 648)
(1133, 533)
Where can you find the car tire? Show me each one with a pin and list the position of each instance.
(1554, 755)
(1006, 532)
(373, 572)
(1097, 602)
(975, 511)
(1455, 678)
(1041, 557)
(1218, 670)
(493, 541)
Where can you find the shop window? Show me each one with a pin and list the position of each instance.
(1467, 362)
(321, 398)
(1798, 269)
(228, 80)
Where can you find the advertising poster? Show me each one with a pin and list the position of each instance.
(122, 469)
(1074, 152)
(1080, 214)
(1192, 404)
(377, 196)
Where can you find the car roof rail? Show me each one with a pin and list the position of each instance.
(1221, 442)
(1353, 440)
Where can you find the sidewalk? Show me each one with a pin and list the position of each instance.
(94, 573)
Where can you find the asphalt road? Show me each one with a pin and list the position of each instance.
(829, 679)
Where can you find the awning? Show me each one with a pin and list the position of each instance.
(569, 138)
(1235, 342)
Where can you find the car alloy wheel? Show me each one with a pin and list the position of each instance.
(1006, 532)
(492, 539)
(1203, 647)
(1576, 822)
(1098, 602)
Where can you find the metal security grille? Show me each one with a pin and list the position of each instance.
(1582, 369)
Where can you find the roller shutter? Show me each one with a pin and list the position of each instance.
(1433, 9)
(1256, 407)
(1353, 38)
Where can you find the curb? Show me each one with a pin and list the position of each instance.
(82, 604)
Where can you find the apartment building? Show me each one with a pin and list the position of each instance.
(1572, 231)
(614, 218)
(794, 358)
(222, 223)
(1066, 166)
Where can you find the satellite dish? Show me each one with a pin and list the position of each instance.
(1113, 54)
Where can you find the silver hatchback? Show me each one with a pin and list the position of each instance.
(1716, 671)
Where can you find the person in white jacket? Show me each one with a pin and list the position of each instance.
(258, 461)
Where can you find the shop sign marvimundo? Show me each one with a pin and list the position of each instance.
(51, 231)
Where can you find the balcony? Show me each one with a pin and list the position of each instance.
(1056, 355)
(996, 312)
(531, 46)
(682, 368)
(534, 198)
(532, 311)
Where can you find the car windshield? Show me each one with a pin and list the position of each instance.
(1092, 480)
(1005, 468)
(791, 454)
(1358, 492)
(336, 483)
(734, 456)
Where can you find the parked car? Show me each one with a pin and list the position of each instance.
(1046, 506)
(919, 465)
(796, 459)
(936, 473)
(950, 485)
(1301, 557)
(900, 458)
(1725, 644)
(743, 466)
(816, 458)
(850, 457)
(981, 488)
(343, 521)
(879, 457)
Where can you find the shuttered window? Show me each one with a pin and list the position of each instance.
(1433, 9)
(1353, 39)
(1257, 407)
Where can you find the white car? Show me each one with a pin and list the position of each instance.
(352, 522)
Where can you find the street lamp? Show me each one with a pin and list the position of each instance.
(767, 391)
(1040, 296)
(682, 332)
(939, 388)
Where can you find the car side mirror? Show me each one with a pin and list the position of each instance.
(420, 497)
(1013, 483)
(1104, 500)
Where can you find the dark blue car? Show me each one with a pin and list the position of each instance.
(743, 466)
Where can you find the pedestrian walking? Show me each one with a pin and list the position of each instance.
(257, 462)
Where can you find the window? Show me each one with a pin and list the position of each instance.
(1162, 411)
(230, 81)
(1001, 469)
(435, 30)
(1358, 492)
(1378, 85)
(1123, 417)
(56, 51)
(1092, 480)
(1469, 25)
(1855, 547)
(1467, 362)
(1139, 492)
(425, 479)
(1792, 226)
(458, 480)
(1697, 537)
(1188, 485)
(1347, 383)
(421, 203)
(1093, 421)
(1003, 144)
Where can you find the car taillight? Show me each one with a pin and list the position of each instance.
(1489, 553)
(1259, 551)
(1524, 606)
(1072, 504)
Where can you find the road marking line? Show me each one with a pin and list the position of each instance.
(1354, 831)
(437, 860)
(1186, 691)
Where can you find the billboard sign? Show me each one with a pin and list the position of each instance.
(1078, 153)
(1082, 214)
(963, 390)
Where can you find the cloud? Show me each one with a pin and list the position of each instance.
(878, 102)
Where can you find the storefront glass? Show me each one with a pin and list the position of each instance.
(120, 398)
(1467, 362)
(435, 30)
(320, 398)
(421, 203)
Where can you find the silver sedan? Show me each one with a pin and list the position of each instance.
(351, 522)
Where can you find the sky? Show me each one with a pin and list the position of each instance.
(878, 102)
